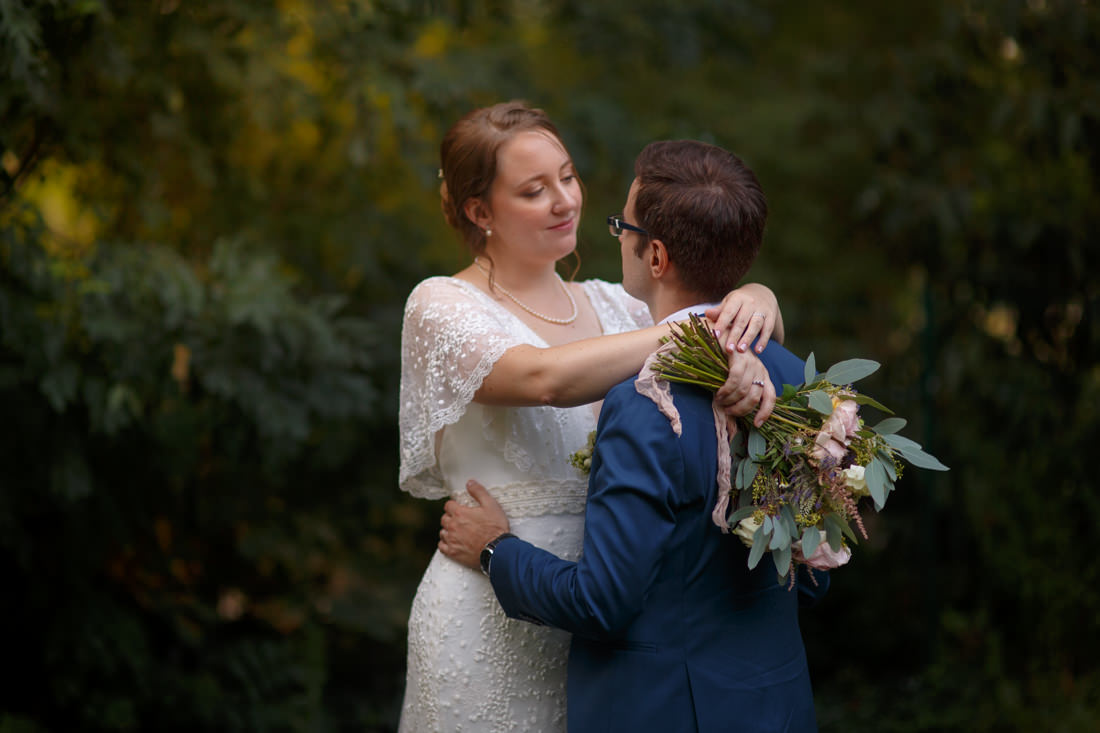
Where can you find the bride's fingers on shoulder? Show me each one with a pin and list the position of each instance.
(733, 309)
(759, 327)
(767, 327)
(742, 331)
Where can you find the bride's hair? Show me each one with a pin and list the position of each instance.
(468, 159)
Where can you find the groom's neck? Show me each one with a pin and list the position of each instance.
(666, 302)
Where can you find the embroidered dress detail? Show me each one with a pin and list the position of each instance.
(470, 668)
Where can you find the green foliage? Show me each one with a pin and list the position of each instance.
(983, 173)
(187, 472)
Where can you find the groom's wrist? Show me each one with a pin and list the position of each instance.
(489, 549)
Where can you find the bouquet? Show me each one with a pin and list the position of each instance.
(797, 481)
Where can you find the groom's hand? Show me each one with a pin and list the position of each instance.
(748, 387)
(465, 530)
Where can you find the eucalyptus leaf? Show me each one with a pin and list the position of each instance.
(920, 459)
(876, 478)
(760, 540)
(821, 402)
(862, 399)
(901, 442)
(809, 371)
(757, 445)
(847, 531)
(911, 451)
(834, 528)
(782, 560)
(787, 514)
(780, 536)
(833, 533)
(851, 370)
(811, 538)
(739, 514)
(746, 473)
(736, 473)
(890, 425)
(737, 445)
(888, 463)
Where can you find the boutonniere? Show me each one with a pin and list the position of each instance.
(582, 459)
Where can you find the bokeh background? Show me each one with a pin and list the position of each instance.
(211, 214)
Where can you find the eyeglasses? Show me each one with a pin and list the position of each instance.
(617, 226)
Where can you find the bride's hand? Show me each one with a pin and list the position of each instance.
(465, 530)
(750, 312)
(747, 387)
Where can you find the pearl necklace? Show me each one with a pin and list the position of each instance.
(560, 321)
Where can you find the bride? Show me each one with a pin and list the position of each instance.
(503, 367)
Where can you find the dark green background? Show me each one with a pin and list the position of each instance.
(210, 216)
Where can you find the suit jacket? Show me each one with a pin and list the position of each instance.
(672, 632)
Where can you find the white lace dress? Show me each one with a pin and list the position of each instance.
(470, 668)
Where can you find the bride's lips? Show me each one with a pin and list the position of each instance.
(564, 226)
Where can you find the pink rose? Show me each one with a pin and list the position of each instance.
(829, 444)
(824, 557)
(847, 412)
(837, 431)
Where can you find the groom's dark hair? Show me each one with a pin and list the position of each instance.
(706, 206)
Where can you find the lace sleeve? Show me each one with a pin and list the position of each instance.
(619, 311)
(450, 340)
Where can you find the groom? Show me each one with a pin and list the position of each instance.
(672, 631)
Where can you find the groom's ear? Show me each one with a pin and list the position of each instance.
(656, 255)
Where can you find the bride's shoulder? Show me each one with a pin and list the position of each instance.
(443, 288)
(602, 288)
(451, 302)
(608, 292)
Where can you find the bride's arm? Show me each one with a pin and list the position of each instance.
(583, 371)
(571, 374)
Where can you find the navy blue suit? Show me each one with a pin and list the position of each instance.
(672, 632)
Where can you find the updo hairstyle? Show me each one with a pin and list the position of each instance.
(468, 155)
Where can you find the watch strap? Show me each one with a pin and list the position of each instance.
(487, 551)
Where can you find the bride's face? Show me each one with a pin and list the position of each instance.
(535, 201)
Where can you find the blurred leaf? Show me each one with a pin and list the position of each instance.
(821, 402)
(890, 425)
(851, 370)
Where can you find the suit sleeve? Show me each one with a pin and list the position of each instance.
(629, 519)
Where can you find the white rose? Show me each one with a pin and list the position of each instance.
(856, 480)
(746, 528)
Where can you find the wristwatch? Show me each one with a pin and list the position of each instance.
(487, 552)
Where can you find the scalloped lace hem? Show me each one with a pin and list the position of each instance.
(534, 499)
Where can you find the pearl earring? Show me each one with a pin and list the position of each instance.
(488, 232)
